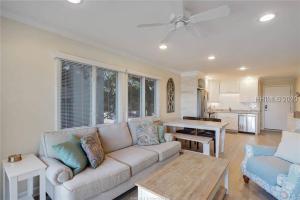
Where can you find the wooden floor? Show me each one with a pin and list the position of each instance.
(234, 151)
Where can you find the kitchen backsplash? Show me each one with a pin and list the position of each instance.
(232, 101)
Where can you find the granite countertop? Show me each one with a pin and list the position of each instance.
(235, 111)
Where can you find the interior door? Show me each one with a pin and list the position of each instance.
(276, 107)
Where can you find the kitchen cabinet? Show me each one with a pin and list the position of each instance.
(248, 90)
(213, 88)
(229, 87)
(231, 118)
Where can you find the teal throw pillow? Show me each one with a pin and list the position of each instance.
(161, 134)
(72, 155)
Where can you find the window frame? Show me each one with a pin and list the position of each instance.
(143, 97)
(95, 93)
(155, 109)
(122, 87)
(57, 92)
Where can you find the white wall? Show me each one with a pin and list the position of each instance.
(189, 85)
(28, 77)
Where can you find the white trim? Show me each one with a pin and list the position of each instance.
(157, 98)
(133, 72)
(57, 87)
(60, 55)
(125, 97)
(190, 73)
(143, 98)
(120, 99)
(94, 95)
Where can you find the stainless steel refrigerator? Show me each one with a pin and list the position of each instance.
(201, 103)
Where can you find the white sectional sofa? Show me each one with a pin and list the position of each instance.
(124, 164)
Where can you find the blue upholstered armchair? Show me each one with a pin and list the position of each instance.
(277, 176)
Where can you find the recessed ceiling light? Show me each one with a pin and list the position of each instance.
(243, 68)
(212, 57)
(163, 46)
(74, 1)
(267, 17)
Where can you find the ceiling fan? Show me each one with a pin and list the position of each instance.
(182, 19)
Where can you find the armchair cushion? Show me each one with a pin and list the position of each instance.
(289, 147)
(268, 167)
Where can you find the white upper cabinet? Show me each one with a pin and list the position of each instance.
(213, 87)
(248, 90)
(229, 86)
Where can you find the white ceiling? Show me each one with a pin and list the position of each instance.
(270, 49)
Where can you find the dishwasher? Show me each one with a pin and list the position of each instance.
(247, 123)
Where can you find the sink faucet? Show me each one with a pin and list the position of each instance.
(229, 109)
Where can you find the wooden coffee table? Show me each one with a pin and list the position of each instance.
(191, 176)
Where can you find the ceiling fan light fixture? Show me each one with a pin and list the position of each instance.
(75, 1)
(163, 46)
(267, 17)
(211, 57)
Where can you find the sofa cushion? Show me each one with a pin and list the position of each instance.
(137, 158)
(56, 137)
(268, 167)
(114, 136)
(164, 150)
(134, 125)
(289, 147)
(91, 182)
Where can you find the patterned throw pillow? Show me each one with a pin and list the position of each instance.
(161, 133)
(91, 144)
(146, 134)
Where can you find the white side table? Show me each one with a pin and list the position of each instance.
(29, 167)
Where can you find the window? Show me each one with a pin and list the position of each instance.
(134, 96)
(75, 95)
(106, 96)
(150, 97)
(141, 96)
(88, 95)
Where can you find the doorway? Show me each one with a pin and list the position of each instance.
(276, 106)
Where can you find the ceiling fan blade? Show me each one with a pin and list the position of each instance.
(168, 36)
(151, 25)
(193, 30)
(178, 7)
(211, 14)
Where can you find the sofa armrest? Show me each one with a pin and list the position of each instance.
(56, 172)
(291, 184)
(169, 137)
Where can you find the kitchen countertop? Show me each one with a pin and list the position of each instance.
(235, 111)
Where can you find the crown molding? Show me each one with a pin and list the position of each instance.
(191, 73)
(93, 43)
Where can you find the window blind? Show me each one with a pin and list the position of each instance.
(75, 94)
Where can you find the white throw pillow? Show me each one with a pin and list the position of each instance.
(289, 147)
